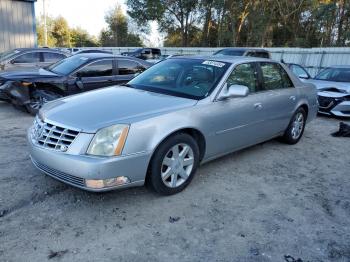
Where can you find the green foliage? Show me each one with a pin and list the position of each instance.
(51, 41)
(117, 32)
(81, 38)
(59, 34)
(305, 23)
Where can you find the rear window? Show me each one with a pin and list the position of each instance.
(229, 52)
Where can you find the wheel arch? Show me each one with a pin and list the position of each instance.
(45, 86)
(305, 107)
(196, 134)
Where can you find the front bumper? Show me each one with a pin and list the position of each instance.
(75, 169)
(337, 106)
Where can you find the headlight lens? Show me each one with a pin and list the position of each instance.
(109, 141)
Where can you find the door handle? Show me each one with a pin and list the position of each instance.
(292, 98)
(258, 106)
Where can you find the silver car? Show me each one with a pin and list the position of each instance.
(333, 84)
(165, 122)
(26, 58)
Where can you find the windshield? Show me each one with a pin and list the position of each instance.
(334, 74)
(190, 78)
(6, 55)
(229, 52)
(67, 65)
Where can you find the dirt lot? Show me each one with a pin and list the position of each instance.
(260, 204)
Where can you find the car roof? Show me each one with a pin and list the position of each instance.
(339, 66)
(40, 49)
(244, 49)
(92, 56)
(95, 55)
(227, 59)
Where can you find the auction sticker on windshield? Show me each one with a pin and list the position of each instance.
(213, 63)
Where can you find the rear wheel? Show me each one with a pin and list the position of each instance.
(295, 128)
(174, 164)
(38, 99)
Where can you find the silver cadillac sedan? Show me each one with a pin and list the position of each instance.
(159, 127)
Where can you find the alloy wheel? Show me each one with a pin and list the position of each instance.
(297, 126)
(177, 165)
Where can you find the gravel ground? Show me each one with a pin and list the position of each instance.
(271, 202)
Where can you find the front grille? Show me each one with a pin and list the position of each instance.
(77, 181)
(325, 102)
(52, 136)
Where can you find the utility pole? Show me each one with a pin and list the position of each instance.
(45, 24)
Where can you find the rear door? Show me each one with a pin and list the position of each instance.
(280, 96)
(96, 75)
(127, 70)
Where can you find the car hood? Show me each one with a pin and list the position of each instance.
(93, 110)
(330, 85)
(26, 74)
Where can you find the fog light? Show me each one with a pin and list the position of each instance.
(109, 182)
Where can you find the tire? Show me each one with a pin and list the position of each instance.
(296, 127)
(38, 99)
(169, 174)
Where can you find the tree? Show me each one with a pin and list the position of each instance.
(117, 32)
(51, 41)
(81, 38)
(172, 15)
(61, 32)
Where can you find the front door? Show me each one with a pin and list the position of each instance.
(238, 122)
(96, 75)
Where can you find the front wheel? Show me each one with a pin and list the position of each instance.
(38, 99)
(295, 128)
(174, 164)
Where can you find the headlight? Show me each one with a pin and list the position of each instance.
(109, 141)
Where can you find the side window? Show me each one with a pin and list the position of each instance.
(287, 83)
(53, 57)
(27, 58)
(271, 76)
(262, 54)
(245, 75)
(128, 67)
(250, 53)
(97, 69)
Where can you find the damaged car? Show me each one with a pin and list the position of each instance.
(160, 126)
(31, 89)
(333, 84)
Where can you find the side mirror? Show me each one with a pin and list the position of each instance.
(304, 76)
(79, 83)
(234, 91)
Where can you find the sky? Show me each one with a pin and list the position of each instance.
(88, 14)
